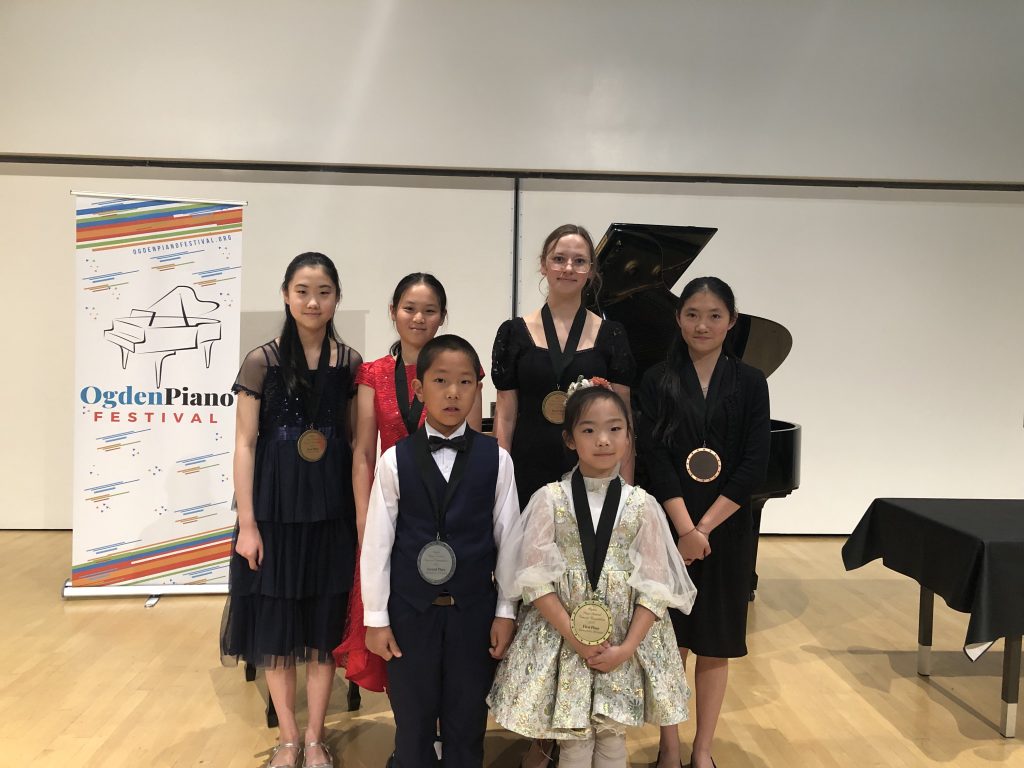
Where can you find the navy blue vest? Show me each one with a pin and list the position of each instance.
(469, 527)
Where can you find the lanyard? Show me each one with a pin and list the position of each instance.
(560, 358)
(312, 401)
(595, 544)
(410, 410)
(427, 466)
(710, 403)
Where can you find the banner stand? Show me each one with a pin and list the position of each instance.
(158, 310)
(139, 590)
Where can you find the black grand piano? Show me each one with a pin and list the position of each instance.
(639, 264)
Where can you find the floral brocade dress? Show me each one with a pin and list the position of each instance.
(543, 689)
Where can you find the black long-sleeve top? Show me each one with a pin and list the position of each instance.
(738, 429)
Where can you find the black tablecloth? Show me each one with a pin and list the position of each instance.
(968, 551)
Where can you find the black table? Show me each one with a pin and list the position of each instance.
(968, 551)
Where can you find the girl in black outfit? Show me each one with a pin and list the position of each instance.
(704, 436)
(295, 541)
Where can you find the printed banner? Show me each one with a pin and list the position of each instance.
(156, 351)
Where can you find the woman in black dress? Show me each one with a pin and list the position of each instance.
(704, 435)
(295, 542)
(527, 420)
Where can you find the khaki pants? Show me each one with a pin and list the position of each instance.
(606, 750)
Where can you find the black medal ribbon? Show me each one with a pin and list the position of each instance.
(410, 411)
(311, 403)
(595, 544)
(711, 402)
(560, 358)
(427, 467)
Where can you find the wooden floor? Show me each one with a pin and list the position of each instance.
(830, 680)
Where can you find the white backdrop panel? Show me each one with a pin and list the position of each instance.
(905, 309)
(376, 230)
(920, 89)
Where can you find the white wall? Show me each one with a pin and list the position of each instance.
(376, 230)
(920, 89)
(906, 372)
(904, 307)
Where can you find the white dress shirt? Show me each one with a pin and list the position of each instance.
(382, 513)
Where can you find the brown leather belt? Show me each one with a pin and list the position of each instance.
(445, 600)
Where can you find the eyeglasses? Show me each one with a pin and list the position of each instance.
(578, 265)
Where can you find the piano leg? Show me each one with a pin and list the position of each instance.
(756, 505)
(158, 366)
(207, 352)
(124, 358)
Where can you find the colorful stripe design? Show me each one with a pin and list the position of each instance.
(123, 223)
(193, 557)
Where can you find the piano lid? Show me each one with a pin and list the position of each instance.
(180, 306)
(639, 264)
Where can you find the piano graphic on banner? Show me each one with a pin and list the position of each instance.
(176, 322)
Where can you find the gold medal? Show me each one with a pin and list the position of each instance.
(312, 445)
(553, 406)
(591, 622)
(703, 465)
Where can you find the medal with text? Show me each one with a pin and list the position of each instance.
(436, 561)
(591, 621)
(312, 445)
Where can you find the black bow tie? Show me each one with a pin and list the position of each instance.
(456, 443)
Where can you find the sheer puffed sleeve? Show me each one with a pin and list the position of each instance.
(353, 361)
(505, 357)
(530, 563)
(252, 374)
(659, 575)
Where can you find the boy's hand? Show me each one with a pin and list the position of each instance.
(608, 657)
(381, 641)
(502, 631)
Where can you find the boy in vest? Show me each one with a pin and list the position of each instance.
(441, 501)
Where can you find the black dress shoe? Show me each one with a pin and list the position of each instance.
(353, 699)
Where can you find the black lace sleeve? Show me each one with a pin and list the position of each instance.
(253, 372)
(505, 357)
(621, 366)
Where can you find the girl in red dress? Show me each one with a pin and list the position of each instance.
(418, 308)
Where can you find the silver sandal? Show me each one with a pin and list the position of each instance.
(285, 745)
(327, 754)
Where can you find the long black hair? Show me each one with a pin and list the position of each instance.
(407, 282)
(669, 416)
(290, 346)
